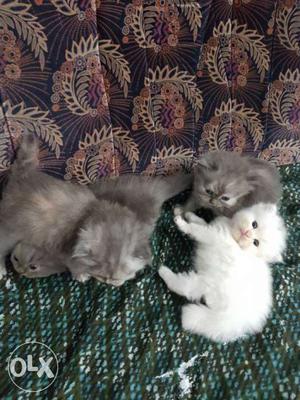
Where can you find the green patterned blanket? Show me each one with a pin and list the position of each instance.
(127, 343)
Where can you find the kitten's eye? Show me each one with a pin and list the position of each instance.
(210, 192)
(225, 198)
(32, 267)
(16, 258)
(254, 225)
(256, 242)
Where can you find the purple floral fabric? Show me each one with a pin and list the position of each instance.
(115, 86)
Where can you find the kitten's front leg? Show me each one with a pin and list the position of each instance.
(193, 218)
(80, 277)
(182, 224)
(199, 232)
(185, 284)
(78, 271)
(189, 206)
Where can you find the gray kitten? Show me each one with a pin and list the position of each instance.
(141, 194)
(41, 210)
(226, 182)
(95, 238)
(31, 262)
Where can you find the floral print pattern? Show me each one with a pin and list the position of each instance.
(113, 87)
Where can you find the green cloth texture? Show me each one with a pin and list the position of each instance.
(127, 342)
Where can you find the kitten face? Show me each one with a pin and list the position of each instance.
(214, 193)
(219, 184)
(29, 261)
(108, 253)
(260, 231)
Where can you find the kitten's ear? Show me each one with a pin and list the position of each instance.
(256, 175)
(205, 162)
(199, 167)
(201, 163)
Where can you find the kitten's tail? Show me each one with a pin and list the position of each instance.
(220, 326)
(27, 156)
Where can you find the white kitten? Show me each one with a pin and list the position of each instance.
(231, 272)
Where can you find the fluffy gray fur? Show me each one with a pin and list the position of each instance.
(108, 240)
(38, 209)
(141, 194)
(226, 182)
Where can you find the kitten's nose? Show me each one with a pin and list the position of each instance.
(244, 232)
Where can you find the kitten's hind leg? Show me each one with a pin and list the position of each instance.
(185, 284)
(193, 318)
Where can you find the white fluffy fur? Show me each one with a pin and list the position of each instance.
(231, 273)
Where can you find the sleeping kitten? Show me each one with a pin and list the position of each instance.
(31, 262)
(128, 208)
(226, 182)
(42, 211)
(112, 244)
(231, 272)
(95, 238)
(67, 220)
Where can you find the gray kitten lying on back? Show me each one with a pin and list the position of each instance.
(226, 182)
(95, 238)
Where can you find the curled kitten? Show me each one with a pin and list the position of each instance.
(105, 239)
(231, 284)
(226, 182)
(42, 211)
(31, 262)
(112, 244)
(94, 238)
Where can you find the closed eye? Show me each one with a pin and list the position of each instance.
(16, 258)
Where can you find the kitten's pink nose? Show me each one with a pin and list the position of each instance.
(244, 232)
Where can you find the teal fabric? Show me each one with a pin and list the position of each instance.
(127, 342)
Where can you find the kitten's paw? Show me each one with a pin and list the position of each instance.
(115, 282)
(3, 271)
(165, 273)
(179, 221)
(81, 277)
(178, 210)
(189, 318)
